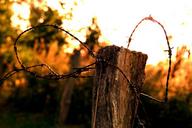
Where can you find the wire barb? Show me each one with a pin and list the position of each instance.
(76, 73)
(150, 18)
(52, 74)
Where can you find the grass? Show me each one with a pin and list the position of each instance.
(26, 120)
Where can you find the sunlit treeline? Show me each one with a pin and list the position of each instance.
(180, 77)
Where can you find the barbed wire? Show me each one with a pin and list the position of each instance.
(77, 71)
(169, 50)
(131, 85)
(52, 74)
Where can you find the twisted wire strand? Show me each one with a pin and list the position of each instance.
(52, 74)
(77, 71)
(150, 18)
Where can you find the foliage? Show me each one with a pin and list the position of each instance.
(33, 49)
(5, 21)
(37, 17)
(180, 79)
(30, 96)
(177, 112)
(25, 94)
(93, 34)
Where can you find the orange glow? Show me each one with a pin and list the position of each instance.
(118, 18)
(180, 76)
(71, 46)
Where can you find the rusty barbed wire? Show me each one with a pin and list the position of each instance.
(78, 70)
(169, 50)
(52, 74)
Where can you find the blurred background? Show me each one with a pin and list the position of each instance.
(29, 102)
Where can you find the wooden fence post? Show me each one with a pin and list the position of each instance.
(115, 101)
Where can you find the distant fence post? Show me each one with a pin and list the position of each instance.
(115, 101)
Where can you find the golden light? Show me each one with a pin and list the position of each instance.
(21, 15)
(118, 18)
(70, 47)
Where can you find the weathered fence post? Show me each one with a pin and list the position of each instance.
(115, 100)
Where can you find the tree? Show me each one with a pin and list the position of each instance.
(93, 34)
(45, 45)
(7, 34)
(5, 20)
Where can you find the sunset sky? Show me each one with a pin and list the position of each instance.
(117, 18)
